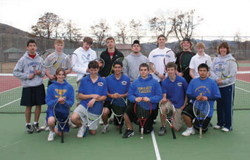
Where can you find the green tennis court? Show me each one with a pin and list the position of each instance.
(215, 144)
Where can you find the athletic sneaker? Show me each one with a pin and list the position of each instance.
(162, 131)
(188, 132)
(44, 126)
(29, 129)
(224, 129)
(81, 131)
(36, 127)
(105, 129)
(51, 136)
(217, 127)
(128, 133)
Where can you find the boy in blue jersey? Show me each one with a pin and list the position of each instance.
(92, 92)
(202, 88)
(118, 85)
(146, 89)
(174, 89)
(59, 92)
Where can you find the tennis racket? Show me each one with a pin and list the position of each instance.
(169, 113)
(201, 110)
(101, 63)
(48, 60)
(142, 110)
(90, 119)
(61, 113)
(120, 59)
(225, 71)
(184, 60)
(165, 60)
(152, 68)
(69, 61)
(118, 107)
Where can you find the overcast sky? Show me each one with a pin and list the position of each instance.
(221, 17)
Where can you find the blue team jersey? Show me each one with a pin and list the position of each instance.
(119, 86)
(148, 87)
(88, 87)
(207, 87)
(175, 91)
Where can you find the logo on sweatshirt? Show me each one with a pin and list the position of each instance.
(100, 84)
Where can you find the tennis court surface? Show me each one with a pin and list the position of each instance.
(15, 143)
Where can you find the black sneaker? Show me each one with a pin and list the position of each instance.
(36, 127)
(29, 129)
(162, 131)
(128, 133)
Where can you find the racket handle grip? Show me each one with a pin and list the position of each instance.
(174, 137)
(200, 132)
(62, 136)
(85, 132)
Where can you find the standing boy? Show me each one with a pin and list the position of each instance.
(29, 70)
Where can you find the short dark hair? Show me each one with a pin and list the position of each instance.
(110, 38)
(203, 65)
(171, 65)
(143, 65)
(118, 62)
(93, 64)
(31, 41)
(88, 40)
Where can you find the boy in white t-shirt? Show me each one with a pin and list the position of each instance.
(200, 57)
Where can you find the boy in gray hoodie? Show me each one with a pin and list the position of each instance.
(30, 72)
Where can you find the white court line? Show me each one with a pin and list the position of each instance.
(10, 89)
(10, 103)
(157, 153)
(242, 89)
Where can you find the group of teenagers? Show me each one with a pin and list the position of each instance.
(171, 82)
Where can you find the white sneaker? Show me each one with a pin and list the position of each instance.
(217, 127)
(188, 132)
(47, 129)
(101, 121)
(105, 129)
(225, 129)
(81, 131)
(51, 136)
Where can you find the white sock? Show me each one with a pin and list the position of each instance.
(35, 123)
(28, 124)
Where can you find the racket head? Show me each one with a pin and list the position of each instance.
(168, 110)
(142, 109)
(69, 61)
(118, 106)
(101, 63)
(121, 60)
(201, 109)
(184, 60)
(61, 114)
(48, 59)
(225, 71)
(152, 68)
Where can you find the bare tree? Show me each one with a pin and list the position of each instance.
(122, 32)
(184, 23)
(47, 25)
(136, 28)
(99, 29)
(71, 32)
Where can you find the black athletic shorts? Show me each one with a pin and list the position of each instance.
(188, 111)
(33, 96)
